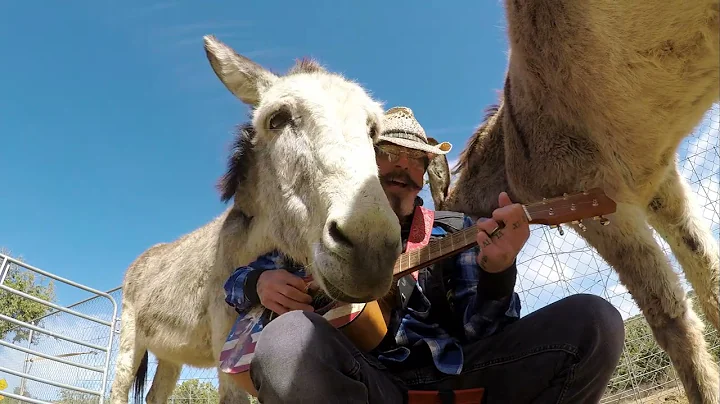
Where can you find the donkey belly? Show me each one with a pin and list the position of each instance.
(179, 332)
(182, 346)
(619, 179)
(185, 354)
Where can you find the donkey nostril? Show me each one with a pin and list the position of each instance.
(338, 235)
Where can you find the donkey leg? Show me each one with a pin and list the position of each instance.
(128, 359)
(221, 323)
(164, 381)
(628, 246)
(674, 214)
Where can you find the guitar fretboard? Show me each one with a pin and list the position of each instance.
(537, 213)
(436, 250)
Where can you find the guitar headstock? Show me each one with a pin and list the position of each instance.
(573, 208)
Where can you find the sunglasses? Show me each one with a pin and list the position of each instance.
(391, 152)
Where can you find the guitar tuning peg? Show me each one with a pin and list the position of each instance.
(560, 229)
(582, 226)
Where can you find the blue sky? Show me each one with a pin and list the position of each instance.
(114, 127)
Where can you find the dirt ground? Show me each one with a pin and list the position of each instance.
(670, 396)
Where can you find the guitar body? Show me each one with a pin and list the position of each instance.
(368, 329)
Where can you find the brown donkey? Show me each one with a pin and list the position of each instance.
(601, 94)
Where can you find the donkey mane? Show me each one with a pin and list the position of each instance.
(490, 112)
(239, 162)
(307, 65)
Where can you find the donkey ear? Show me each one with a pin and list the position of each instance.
(243, 77)
(438, 177)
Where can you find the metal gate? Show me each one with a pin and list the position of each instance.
(60, 375)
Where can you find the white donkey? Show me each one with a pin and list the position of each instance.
(304, 180)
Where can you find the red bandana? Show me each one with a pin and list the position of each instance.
(420, 230)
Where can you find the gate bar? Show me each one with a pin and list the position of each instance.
(3, 272)
(54, 358)
(23, 398)
(53, 305)
(50, 382)
(50, 333)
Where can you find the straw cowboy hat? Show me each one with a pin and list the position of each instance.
(401, 128)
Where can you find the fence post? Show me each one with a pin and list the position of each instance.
(3, 271)
(26, 361)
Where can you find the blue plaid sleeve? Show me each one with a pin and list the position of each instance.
(234, 287)
(482, 316)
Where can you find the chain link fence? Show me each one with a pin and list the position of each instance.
(551, 267)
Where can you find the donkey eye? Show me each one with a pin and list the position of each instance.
(279, 119)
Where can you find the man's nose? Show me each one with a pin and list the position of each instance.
(402, 161)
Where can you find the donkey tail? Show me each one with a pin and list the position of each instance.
(140, 378)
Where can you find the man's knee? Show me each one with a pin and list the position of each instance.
(594, 313)
(289, 344)
(295, 330)
(289, 335)
(600, 311)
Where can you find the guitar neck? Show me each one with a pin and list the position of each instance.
(568, 208)
(435, 251)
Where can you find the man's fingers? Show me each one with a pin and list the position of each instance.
(483, 240)
(504, 199)
(294, 294)
(276, 308)
(487, 225)
(291, 304)
(295, 281)
(509, 214)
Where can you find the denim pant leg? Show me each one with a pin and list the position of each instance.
(301, 358)
(565, 352)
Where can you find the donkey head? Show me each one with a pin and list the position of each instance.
(305, 168)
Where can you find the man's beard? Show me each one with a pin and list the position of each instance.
(402, 205)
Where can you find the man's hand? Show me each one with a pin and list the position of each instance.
(281, 291)
(511, 231)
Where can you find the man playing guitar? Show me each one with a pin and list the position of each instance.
(454, 328)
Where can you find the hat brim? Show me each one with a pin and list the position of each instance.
(439, 149)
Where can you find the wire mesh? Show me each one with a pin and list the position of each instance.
(551, 267)
(80, 343)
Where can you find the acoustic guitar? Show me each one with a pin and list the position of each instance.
(365, 324)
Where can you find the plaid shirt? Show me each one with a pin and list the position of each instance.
(482, 315)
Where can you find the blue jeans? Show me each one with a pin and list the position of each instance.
(562, 353)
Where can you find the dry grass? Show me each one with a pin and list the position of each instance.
(666, 397)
